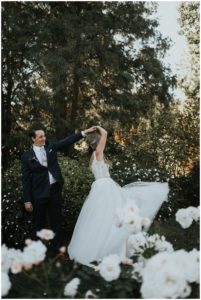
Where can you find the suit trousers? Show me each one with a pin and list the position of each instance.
(52, 207)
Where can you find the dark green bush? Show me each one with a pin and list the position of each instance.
(51, 276)
(16, 222)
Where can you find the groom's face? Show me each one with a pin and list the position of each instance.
(40, 138)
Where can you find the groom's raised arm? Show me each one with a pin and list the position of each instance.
(62, 144)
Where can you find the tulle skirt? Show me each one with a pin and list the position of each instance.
(95, 234)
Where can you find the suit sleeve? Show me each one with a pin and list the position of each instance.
(63, 144)
(26, 182)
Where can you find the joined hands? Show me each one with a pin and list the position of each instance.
(95, 128)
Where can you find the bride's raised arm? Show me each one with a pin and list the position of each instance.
(102, 142)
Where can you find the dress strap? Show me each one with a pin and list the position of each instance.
(95, 155)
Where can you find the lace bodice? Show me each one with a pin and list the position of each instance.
(99, 168)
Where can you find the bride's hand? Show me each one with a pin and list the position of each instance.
(101, 130)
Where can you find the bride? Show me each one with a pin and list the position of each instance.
(95, 234)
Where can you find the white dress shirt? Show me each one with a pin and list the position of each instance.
(42, 157)
(83, 133)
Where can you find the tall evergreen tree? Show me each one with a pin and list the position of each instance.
(190, 28)
(19, 42)
(81, 63)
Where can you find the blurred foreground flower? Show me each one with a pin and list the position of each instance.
(45, 234)
(5, 284)
(71, 288)
(129, 218)
(167, 275)
(62, 249)
(90, 294)
(140, 242)
(34, 253)
(185, 216)
(109, 267)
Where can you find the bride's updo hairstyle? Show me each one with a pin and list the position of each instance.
(92, 140)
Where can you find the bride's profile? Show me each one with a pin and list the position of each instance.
(95, 234)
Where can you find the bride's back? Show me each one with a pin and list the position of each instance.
(99, 168)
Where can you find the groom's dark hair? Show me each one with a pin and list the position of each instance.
(32, 131)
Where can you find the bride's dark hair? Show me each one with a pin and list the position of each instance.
(92, 140)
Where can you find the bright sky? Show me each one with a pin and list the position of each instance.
(167, 16)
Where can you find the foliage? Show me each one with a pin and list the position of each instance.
(17, 223)
(190, 28)
(73, 65)
(50, 277)
(70, 64)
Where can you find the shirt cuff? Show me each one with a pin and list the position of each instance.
(83, 134)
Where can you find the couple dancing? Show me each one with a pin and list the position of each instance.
(95, 234)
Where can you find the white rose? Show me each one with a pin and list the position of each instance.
(136, 242)
(195, 258)
(109, 267)
(5, 259)
(193, 212)
(11, 258)
(5, 284)
(132, 222)
(62, 249)
(166, 275)
(163, 246)
(71, 288)
(16, 267)
(189, 263)
(34, 252)
(145, 222)
(131, 206)
(45, 234)
(163, 278)
(167, 282)
(183, 218)
(90, 294)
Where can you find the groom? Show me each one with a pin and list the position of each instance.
(42, 181)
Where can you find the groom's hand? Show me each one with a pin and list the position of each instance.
(91, 129)
(28, 206)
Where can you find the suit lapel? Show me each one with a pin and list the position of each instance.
(32, 155)
(48, 149)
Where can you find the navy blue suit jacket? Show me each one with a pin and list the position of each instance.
(35, 178)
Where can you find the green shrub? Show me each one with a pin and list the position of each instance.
(51, 276)
(16, 222)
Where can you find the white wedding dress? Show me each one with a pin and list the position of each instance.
(95, 234)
